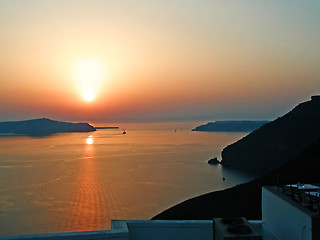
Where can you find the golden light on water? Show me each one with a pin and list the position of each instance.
(89, 209)
(89, 140)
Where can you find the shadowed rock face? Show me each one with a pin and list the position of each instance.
(277, 142)
(42, 127)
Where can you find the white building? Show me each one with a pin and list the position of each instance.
(288, 212)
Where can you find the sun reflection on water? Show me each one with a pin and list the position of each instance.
(89, 210)
(89, 140)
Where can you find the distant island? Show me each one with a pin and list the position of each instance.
(288, 149)
(42, 127)
(231, 126)
(106, 127)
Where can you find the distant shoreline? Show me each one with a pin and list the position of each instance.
(106, 127)
(230, 126)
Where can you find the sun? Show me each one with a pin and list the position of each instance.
(89, 75)
(88, 96)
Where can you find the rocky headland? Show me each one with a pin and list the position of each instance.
(288, 147)
(277, 142)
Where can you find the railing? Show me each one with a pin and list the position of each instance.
(306, 195)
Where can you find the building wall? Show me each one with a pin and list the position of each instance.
(170, 230)
(285, 220)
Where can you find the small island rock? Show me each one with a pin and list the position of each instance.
(214, 161)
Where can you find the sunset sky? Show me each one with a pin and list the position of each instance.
(148, 60)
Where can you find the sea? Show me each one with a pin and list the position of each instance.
(80, 181)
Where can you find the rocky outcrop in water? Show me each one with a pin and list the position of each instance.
(214, 161)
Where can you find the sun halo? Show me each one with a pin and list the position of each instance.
(89, 75)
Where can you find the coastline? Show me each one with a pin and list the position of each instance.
(245, 199)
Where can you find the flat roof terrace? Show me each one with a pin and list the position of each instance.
(305, 197)
(291, 211)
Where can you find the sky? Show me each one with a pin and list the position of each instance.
(147, 60)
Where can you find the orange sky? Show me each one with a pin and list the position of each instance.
(170, 60)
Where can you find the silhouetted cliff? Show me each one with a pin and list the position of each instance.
(42, 127)
(230, 126)
(292, 141)
(245, 199)
(277, 142)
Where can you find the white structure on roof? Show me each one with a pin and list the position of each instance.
(289, 216)
(282, 218)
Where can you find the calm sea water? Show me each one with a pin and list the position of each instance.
(80, 181)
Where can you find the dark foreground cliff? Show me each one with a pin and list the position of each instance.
(245, 199)
(277, 142)
(42, 127)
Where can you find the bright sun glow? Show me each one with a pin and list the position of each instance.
(88, 96)
(89, 75)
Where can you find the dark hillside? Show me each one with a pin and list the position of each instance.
(277, 142)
